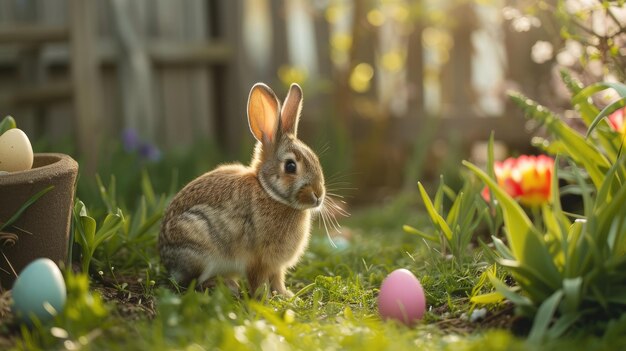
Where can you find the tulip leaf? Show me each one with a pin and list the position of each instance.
(572, 294)
(537, 284)
(563, 324)
(574, 251)
(544, 316)
(616, 105)
(436, 219)
(607, 214)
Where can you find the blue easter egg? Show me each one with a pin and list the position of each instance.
(39, 286)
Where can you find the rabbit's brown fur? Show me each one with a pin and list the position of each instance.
(251, 221)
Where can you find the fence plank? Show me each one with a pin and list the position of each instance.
(86, 81)
(42, 94)
(134, 72)
(199, 79)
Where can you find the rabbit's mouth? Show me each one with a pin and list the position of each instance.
(310, 197)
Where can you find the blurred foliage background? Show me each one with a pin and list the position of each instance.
(395, 90)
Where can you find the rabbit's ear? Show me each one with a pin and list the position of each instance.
(290, 114)
(263, 108)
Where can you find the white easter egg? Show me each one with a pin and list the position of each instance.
(401, 297)
(16, 152)
(39, 291)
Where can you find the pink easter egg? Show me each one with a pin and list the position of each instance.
(401, 298)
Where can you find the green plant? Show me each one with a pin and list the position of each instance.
(135, 245)
(7, 123)
(127, 238)
(88, 236)
(455, 229)
(568, 269)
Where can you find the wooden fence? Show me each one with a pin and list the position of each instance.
(91, 68)
(180, 70)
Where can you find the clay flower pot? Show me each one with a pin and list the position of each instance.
(43, 230)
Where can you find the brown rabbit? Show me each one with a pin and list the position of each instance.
(251, 221)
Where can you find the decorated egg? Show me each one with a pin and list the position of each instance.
(39, 291)
(16, 153)
(401, 297)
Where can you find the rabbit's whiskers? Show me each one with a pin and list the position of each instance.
(328, 215)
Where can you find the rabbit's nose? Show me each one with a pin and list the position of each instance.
(317, 198)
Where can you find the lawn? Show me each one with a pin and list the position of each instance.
(132, 306)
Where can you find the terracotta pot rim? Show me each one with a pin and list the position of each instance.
(52, 164)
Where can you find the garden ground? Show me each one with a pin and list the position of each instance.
(334, 307)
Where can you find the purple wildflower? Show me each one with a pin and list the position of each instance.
(149, 152)
(130, 140)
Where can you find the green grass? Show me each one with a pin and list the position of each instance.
(132, 306)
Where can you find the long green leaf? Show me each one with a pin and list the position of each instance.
(438, 200)
(149, 223)
(563, 324)
(437, 220)
(572, 294)
(577, 249)
(534, 281)
(517, 222)
(410, 230)
(605, 112)
(590, 90)
(111, 225)
(610, 200)
(147, 189)
(89, 230)
(544, 316)
(85, 225)
(453, 215)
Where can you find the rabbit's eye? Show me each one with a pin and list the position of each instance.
(290, 166)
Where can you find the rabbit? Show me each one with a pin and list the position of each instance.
(248, 221)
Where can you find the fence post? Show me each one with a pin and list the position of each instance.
(86, 82)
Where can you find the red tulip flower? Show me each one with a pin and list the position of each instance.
(527, 179)
(616, 120)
